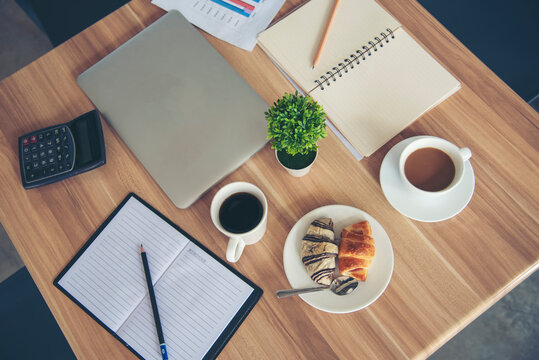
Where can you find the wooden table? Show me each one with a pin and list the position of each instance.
(446, 274)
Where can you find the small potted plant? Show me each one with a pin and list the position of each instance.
(295, 123)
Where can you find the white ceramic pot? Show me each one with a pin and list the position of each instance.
(297, 172)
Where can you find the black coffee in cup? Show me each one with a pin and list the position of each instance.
(429, 169)
(240, 213)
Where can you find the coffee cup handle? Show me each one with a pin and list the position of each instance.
(234, 249)
(465, 153)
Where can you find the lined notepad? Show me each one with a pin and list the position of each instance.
(198, 296)
(373, 79)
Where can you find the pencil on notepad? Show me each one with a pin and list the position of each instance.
(325, 36)
(154, 303)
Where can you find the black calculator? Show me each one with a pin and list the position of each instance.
(61, 151)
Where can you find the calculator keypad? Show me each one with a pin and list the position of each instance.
(48, 153)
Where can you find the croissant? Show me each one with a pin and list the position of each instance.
(356, 250)
(360, 228)
(319, 250)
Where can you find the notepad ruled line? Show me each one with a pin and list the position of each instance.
(94, 301)
(104, 282)
(219, 293)
(199, 284)
(202, 316)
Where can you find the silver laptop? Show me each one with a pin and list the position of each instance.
(180, 107)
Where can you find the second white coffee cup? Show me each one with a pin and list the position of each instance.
(459, 156)
(237, 241)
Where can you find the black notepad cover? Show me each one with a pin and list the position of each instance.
(233, 325)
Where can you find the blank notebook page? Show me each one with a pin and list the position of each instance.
(385, 93)
(196, 295)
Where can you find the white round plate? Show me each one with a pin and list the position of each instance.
(426, 209)
(379, 272)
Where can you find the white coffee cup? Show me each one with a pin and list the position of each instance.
(459, 156)
(237, 242)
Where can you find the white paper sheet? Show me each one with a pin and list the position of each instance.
(237, 22)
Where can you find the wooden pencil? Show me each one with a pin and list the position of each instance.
(326, 32)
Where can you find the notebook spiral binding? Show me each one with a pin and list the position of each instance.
(348, 63)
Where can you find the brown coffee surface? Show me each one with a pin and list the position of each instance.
(429, 169)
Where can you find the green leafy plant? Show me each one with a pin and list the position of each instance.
(295, 124)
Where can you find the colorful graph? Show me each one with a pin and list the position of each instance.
(237, 6)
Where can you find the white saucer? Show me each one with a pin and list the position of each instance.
(427, 209)
(367, 292)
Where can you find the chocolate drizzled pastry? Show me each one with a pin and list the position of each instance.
(319, 250)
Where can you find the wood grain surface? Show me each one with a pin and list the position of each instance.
(446, 274)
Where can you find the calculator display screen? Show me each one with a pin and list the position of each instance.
(86, 141)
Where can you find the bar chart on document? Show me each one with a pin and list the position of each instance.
(226, 11)
(235, 21)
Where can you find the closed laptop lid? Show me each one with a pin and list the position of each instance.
(179, 106)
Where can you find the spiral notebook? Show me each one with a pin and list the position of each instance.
(373, 79)
(202, 300)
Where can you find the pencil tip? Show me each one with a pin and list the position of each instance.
(141, 248)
